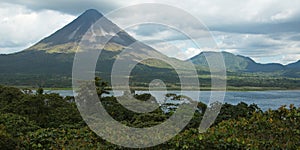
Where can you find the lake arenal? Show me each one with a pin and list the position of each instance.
(264, 99)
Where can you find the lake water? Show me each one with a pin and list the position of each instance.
(264, 99)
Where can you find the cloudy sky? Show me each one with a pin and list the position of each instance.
(265, 30)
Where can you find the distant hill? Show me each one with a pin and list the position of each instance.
(238, 63)
(232, 62)
(295, 65)
(293, 70)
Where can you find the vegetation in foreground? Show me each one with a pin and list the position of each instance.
(48, 121)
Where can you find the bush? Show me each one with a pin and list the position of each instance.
(17, 125)
(6, 140)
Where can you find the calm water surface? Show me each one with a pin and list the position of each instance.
(264, 99)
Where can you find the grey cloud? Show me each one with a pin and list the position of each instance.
(73, 7)
(267, 28)
(149, 29)
(295, 38)
(258, 52)
(264, 44)
(158, 32)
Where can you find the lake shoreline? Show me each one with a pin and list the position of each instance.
(229, 88)
(272, 99)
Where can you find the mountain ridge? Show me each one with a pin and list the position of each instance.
(239, 63)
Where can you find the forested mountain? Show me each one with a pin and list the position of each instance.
(238, 63)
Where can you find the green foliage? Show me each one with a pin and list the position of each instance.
(40, 91)
(241, 110)
(9, 95)
(49, 121)
(277, 129)
(17, 125)
(101, 86)
(130, 118)
(46, 110)
(6, 140)
(56, 138)
(269, 130)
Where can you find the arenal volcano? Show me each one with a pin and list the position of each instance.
(66, 39)
(49, 62)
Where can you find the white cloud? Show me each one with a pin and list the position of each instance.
(190, 52)
(174, 51)
(166, 48)
(21, 27)
(283, 15)
(290, 57)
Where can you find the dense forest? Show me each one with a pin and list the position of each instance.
(234, 81)
(34, 120)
